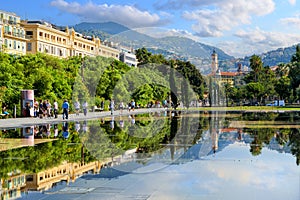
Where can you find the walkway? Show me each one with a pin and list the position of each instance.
(22, 122)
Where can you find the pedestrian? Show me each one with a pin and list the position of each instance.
(102, 105)
(85, 107)
(65, 107)
(49, 107)
(55, 105)
(77, 107)
(121, 107)
(111, 106)
(41, 109)
(129, 106)
(27, 109)
(132, 105)
(36, 108)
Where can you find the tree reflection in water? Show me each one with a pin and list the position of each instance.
(104, 139)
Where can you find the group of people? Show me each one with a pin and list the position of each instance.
(131, 106)
(44, 109)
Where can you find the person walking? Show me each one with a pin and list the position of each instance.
(85, 107)
(121, 107)
(49, 107)
(111, 106)
(41, 109)
(65, 107)
(36, 108)
(77, 107)
(55, 107)
(132, 105)
(102, 105)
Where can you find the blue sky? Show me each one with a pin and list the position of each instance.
(238, 27)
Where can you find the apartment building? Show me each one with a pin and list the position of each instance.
(12, 36)
(63, 42)
(128, 56)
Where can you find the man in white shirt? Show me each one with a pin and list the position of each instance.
(55, 107)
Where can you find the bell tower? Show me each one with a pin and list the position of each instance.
(214, 62)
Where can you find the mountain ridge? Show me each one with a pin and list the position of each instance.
(179, 47)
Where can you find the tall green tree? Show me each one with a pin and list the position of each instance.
(257, 66)
(282, 87)
(294, 71)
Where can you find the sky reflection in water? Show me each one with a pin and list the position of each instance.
(232, 172)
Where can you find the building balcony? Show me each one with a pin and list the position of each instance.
(12, 22)
(16, 35)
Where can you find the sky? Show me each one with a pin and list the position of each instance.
(238, 27)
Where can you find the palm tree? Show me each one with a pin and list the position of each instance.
(256, 65)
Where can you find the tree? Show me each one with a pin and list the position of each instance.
(282, 87)
(254, 91)
(296, 56)
(256, 65)
(294, 71)
(143, 56)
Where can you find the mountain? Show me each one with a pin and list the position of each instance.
(274, 57)
(178, 47)
(171, 47)
(106, 27)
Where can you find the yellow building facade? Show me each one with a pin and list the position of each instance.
(12, 34)
(46, 38)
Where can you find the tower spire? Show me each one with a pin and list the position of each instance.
(214, 62)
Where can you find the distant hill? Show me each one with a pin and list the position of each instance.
(171, 47)
(275, 57)
(178, 47)
(106, 27)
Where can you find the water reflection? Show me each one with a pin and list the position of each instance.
(64, 152)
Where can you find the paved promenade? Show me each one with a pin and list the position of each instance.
(28, 121)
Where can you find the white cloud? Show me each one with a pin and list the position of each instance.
(226, 15)
(180, 4)
(257, 41)
(292, 2)
(160, 33)
(291, 21)
(126, 15)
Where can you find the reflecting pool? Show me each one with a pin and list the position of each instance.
(161, 155)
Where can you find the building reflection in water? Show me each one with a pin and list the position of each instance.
(65, 172)
(12, 186)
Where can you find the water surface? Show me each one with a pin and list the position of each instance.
(194, 155)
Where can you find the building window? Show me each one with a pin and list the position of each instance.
(29, 34)
(29, 46)
(41, 34)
